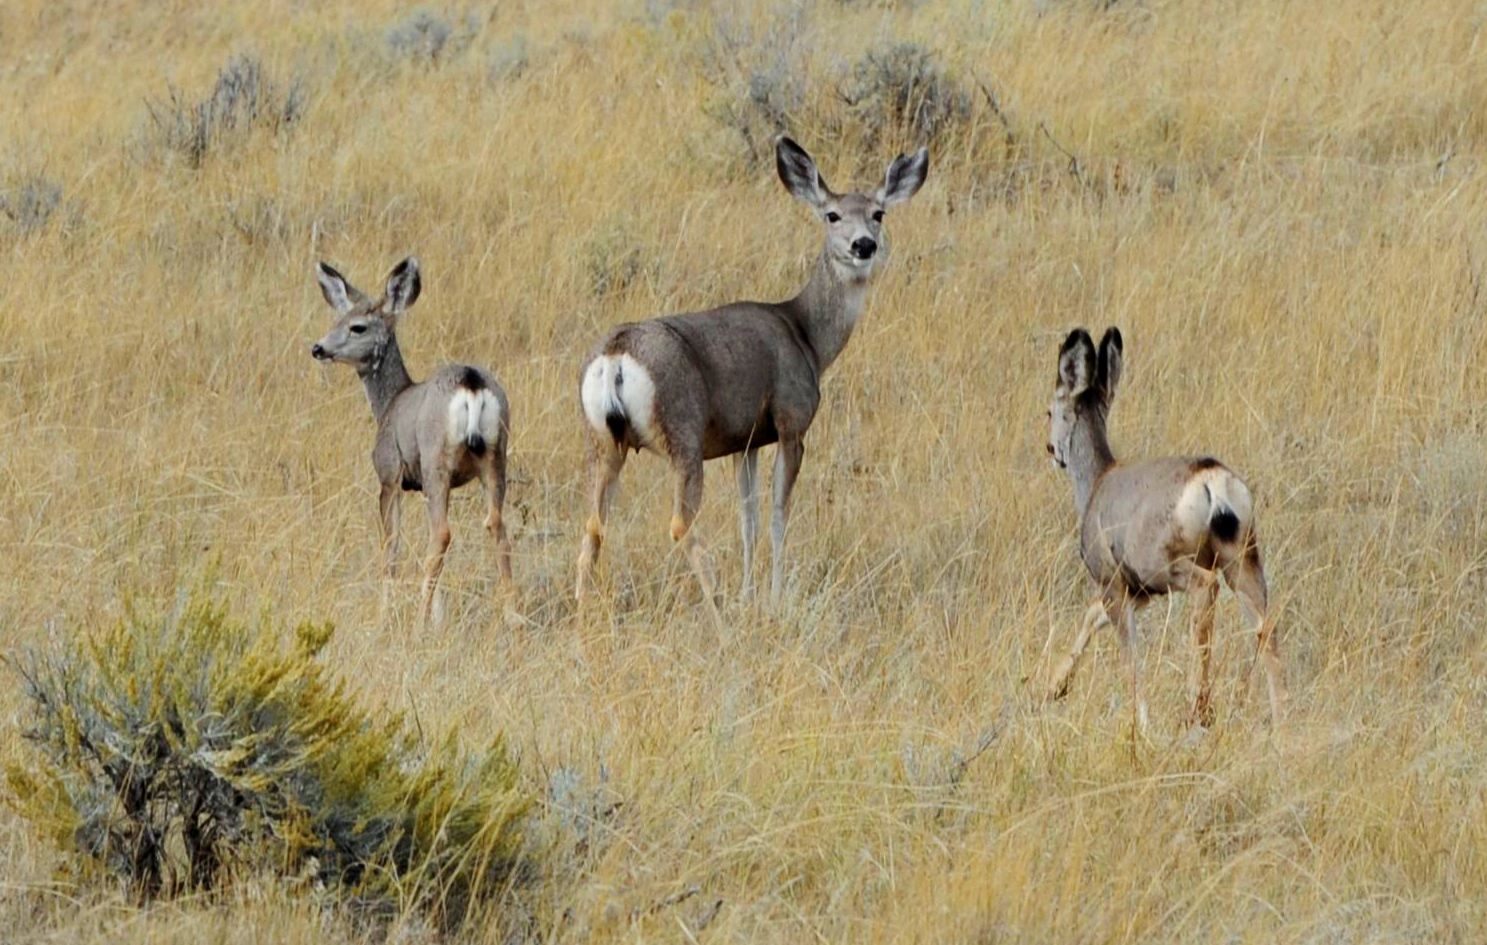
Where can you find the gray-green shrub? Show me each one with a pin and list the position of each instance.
(174, 751)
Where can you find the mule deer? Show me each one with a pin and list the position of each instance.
(729, 380)
(431, 437)
(1152, 527)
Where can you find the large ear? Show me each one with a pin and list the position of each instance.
(403, 286)
(1076, 362)
(341, 295)
(1111, 358)
(905, 177)
(799, 174)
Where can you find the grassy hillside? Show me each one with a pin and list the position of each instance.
(1282, 205)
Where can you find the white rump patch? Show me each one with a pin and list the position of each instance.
(1230, 492)
(616, 383)
(1209, 491)
(474, 413)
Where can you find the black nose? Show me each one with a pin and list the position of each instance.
(317, 352)
(1050, 449)
(863, 247)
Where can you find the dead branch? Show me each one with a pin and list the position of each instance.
(666, 903)
(995, 103)
(1074, 167)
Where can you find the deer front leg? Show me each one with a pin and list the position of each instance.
(1095, 617)
(746, 468)
(433, 598)
(1122, 612)
(607, 460)
(390, 504)
(787, 460)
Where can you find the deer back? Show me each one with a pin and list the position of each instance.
(417, 438)
(724, 380)
(1145, 516)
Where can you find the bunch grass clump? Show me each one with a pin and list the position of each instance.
(173, 752)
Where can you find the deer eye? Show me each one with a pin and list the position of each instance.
(358, 328)
(833, 217)
(877, 216)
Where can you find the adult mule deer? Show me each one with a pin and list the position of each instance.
(434, 436)
(729, 380)
(1150, 528)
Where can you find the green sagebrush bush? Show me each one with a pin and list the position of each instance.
(770, 75)
(176, 751)
(242, 98)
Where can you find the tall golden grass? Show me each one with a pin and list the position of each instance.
(1281, 204)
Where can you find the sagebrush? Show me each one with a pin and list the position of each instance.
(243, 98)
(173, 750)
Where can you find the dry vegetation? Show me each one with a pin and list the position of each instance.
(1282, 205)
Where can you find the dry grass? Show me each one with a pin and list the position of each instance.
(1282, 208)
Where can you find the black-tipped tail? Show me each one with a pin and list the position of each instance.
(1224, 524)
(475, 443)
(618, 426)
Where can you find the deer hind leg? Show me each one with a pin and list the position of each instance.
(1247, 577)
(787, 460)
(1204, 586)
(493, 477)
(746, 468)
(684, 513)
(1121, 610)
(439, 535)
(1095, 617)
(608, 459)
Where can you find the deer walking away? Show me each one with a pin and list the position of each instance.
(432, 437)
(733, 379)
(1151, 528)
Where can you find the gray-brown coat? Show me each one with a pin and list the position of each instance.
(732, 379)
(431, 437)
(1151, 528)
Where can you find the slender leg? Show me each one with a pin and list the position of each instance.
(1204, 586)
(1122, 612)
(787, 459)
(1095, 617)
(390, 503)
(684, 511)
(606, 463)
(1247, 578)
(746, 468)
(493, 477)
(433, 599)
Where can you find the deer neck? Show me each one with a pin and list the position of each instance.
(385, 378)
(1089, 457)
(828, 308)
